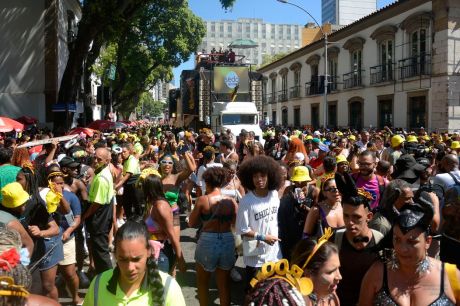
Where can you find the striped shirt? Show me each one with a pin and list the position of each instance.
(259, 215)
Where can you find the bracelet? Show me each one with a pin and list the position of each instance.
(256, 236)
(262, 237)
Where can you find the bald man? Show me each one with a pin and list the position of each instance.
(449, 176)
(99, 214)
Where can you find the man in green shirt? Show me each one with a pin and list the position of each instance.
(8, 172)
(99, 214)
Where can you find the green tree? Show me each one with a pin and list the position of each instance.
(103, 21)
(148, 106)
(268, 58)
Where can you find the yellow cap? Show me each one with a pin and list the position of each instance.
(352, 137)
(396, 140)
(455, 145)
(412, 138)
(300, 174)
(339, 133)
(14, 195)
(341, 159)
(309, 137)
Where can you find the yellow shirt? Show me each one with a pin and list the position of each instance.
(172, 293)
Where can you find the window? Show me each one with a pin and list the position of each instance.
(274, 118)
(356, 60)
(332, 114)
(315, 116)
(417, 112)
(385, 113)
(284, 116)
(213, 27)
(232, 119)
(240, 27)
(386, 59)
(332, 67)
(273, 88)
(418, 42)
(297, 77)
(355, 114)
(229, 28)
(297, 117)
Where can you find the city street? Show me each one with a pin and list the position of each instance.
(187, 280)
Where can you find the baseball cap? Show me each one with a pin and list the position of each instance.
(13, 195)
(323, 147)
(68, 162)
(396, 140)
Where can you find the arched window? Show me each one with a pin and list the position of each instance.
(284, 116)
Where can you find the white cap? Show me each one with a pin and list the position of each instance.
(60, 157)
(316, 133)
(299, 156)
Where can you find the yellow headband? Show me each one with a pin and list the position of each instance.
(325, 238)
(281, 270)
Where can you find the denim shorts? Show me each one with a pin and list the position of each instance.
(166, 260)
(54, 246)
(215, 250)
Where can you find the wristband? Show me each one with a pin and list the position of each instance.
(262, 237)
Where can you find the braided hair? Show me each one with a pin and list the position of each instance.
(134, 229)
(274, 292)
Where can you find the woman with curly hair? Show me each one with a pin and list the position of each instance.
(21, 158)
(136, 278)
(257, 214)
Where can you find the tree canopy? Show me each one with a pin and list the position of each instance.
(146, 38)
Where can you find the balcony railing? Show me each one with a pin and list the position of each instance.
(316, 86)
(416, 65)
(382, 73)
(282, 96)
(271, 98)
(353, 79)
(294, 92)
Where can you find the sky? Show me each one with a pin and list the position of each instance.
(270, 11)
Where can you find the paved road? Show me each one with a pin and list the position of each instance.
(188, 280)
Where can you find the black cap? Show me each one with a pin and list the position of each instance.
(407, 168)
(68, 162)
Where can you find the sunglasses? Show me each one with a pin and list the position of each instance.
(166, 162)
(332, 189)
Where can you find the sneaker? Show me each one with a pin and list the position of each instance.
(235, 275)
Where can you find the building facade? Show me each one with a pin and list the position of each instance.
(396, 67)
(344, 12)
(34, 53)
(271, 38)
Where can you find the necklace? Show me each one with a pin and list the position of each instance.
(331, 206)
(320, 301)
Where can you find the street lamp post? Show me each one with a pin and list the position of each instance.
(326, 81)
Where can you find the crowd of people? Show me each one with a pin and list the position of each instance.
(319, 217)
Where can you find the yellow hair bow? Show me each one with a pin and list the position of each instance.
(280, 269)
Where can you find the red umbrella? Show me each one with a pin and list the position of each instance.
(87, 131)
(27, 120)
(7, 125)
(101, 125)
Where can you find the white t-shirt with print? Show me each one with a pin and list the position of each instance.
(259, 214)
